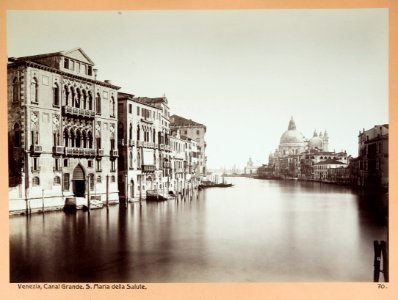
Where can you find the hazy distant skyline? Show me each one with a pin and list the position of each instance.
(242, 73)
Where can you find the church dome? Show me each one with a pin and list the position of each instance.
(291, 135)
(315, 142)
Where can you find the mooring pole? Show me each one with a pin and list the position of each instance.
(88, 193)
(384, 253)
(107, 190)
(377, 259)
(42, 200)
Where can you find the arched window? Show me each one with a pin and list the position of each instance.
(131, 159)
(57, 180)
(78, 98)
(15, 90)
(131, 132)
(56, 94)
(84, 138)
(34, 90)
(78, 139)
(17, 135)
(90, 101)
(72, 95)
(138, 160)
(35, 181)
(84, 99)
(112, 107)
(66, 137)
(138, 132)
(72, 138)
(98, 103)
(99, 179)
(89, 140)
(66, 89)
(154, 136)
(113, 178)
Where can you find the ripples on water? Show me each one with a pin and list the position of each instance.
(256, 231)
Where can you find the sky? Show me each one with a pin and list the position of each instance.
(242, 73)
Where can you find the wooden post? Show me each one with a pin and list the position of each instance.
(42, 200)
(140, 190)
(88, 193)
(107, 190)
(384, 253)
(126, 190)
(377, 259)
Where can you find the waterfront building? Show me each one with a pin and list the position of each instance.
(373, 157)
(250, 169)
(310, 158)
(62, 127)
(144, 146)
(326, 170)
(297, 156)
(194, 131)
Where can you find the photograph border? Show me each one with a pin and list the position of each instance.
(229, 291)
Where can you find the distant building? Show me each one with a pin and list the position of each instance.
(373, 157)
(250, 169)
(303, 158)
(194, 131)
(144, 146)
(62, 127)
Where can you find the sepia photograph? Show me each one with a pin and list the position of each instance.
(197, 146)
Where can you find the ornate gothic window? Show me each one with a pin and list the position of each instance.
(66, 89)
(90, 101)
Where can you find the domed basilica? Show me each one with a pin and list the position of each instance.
(293, 142)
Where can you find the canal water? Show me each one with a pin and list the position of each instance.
(255, 231)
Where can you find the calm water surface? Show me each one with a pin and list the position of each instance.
(258, 230)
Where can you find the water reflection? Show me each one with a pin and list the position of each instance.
(258, 230)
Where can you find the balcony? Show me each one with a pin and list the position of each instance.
(36, 149)
(148, 168)
(114, 153)
(131, 143)
(147, 120)
(161, 146)
(89, 152)
(58, 150)
(72, 151)
(140, 143)
(81, 112)
(167, 147)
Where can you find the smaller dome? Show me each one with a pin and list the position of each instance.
(315, 142)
